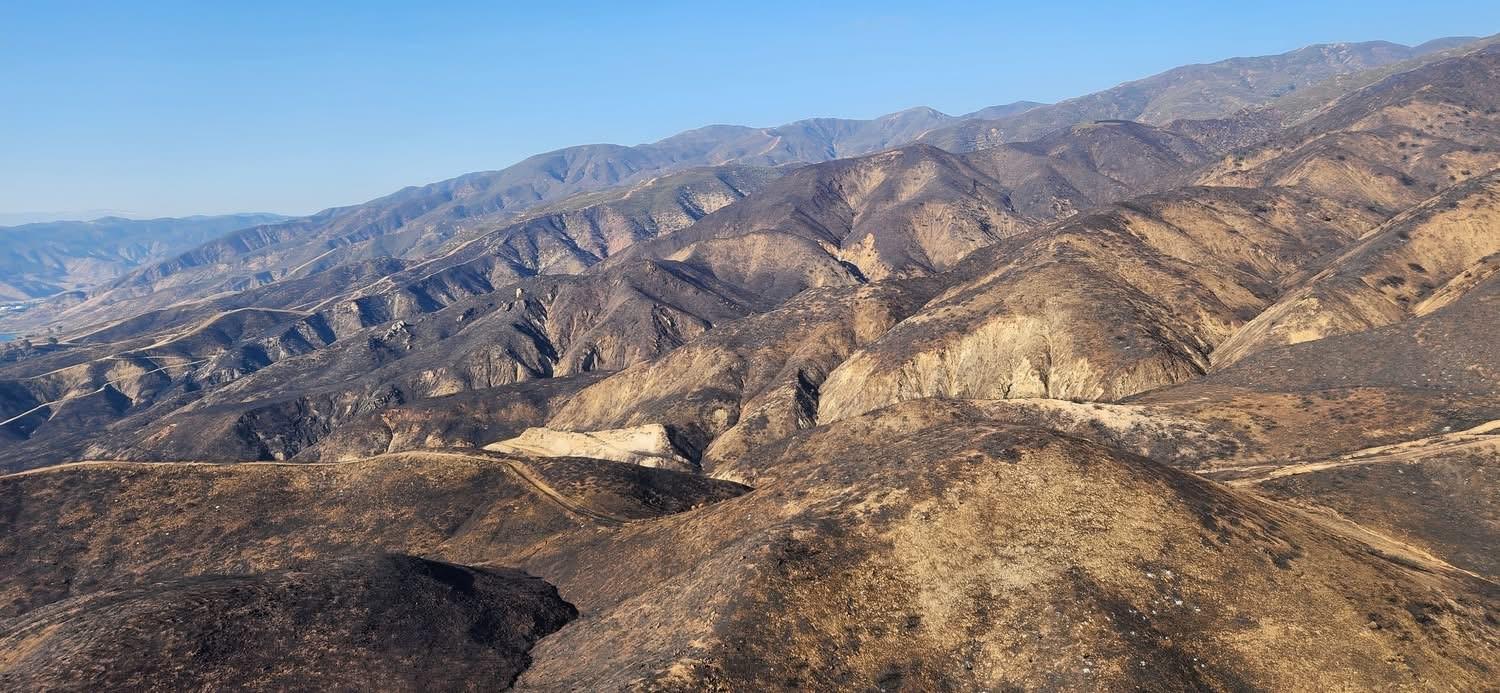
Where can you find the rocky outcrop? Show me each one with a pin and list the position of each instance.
(646, 445)
(750, 382)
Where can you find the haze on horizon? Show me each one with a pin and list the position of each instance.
(177, 108)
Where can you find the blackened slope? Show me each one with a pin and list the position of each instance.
(81, 528)
(956, 553)
(387, 622)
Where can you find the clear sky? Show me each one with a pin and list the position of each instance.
(172, 108)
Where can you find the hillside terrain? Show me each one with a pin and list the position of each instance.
(415, 221)
(1200, 92)
(1190, 384)
(47, 258)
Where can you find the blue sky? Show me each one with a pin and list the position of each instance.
(207, 107)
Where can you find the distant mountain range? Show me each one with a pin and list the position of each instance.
(47, 258)
(416, 222)
(22, 218)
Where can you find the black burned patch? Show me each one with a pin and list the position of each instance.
(379, 622)
(457, 577)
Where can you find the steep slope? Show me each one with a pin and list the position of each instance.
(750, 382)
(1413, 264)
(391, 622)
(276, 267)
(911, 210)
(474, 319)
(298, 392)
(1100, 306)
(1089, 165)
(482, 316)
(1303, 104)
(1196, 265)
(1391, 144)
(415, 222)
(42, 259)
(725, 390)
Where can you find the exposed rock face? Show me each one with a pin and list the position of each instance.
(389, 622)
(647, 446)
(750, 382)
(469, 419)
(1098, 307)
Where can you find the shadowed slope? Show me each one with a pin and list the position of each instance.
(387, 622)
(80, 528)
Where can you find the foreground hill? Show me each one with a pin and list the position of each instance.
(913, 547)
(382, 621)
(137, 522)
